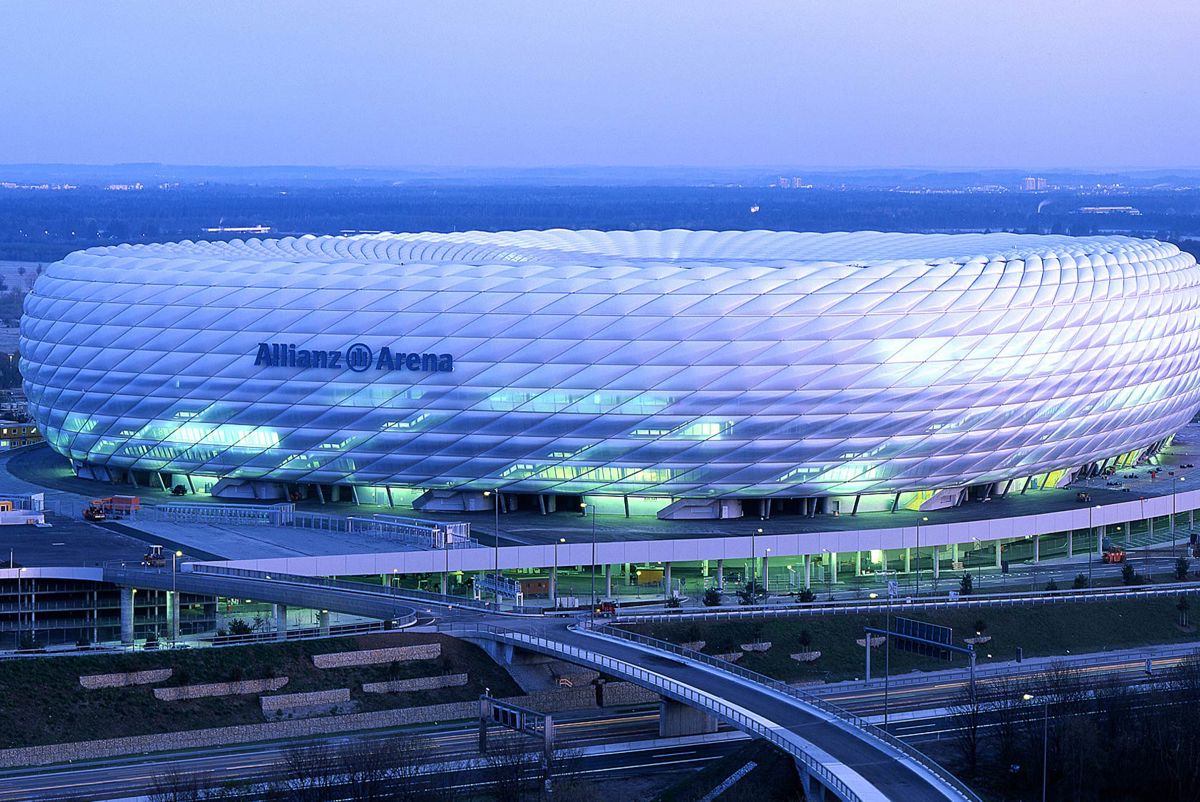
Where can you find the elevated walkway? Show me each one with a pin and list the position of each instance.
(848, 757)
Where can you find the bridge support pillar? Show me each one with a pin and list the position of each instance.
(1099, 533)
(1128, 538)
(1070, 542)
(858, 563)
(126, 616)
(280, 611)
(720, 573)
(766, 571)
(445, 578)
(668, 592)
(813, 790)
(907, 560)
(807, 571)
(675, 719)
(1037, 549)
(999, 553)
(833, 560)
(552, 591)
(608, 581)
(1150, 529)
(324, 622)
(937, 562)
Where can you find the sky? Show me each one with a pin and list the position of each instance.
(527, 83)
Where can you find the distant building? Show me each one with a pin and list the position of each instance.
(784, 182)
(1033, 184)
(1132, 210)
(14, 434)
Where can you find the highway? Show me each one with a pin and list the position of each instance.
(116, 778)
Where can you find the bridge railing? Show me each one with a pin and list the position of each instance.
(679, 692)
(403, 594)
(808, 698)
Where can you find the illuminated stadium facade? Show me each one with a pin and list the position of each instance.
(829, 371)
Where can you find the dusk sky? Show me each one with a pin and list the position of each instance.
(524, 83)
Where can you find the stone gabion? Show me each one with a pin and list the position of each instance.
(367, 657)
(416, 684)
(283, 701)
(126, 678)
(219, 689)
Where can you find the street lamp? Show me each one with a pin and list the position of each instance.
(1091, 534)
(173, 607)
(496, 549)
(1045, 734)
(1174, 481)
(754, 562)
(585, 506)
(555, 574)
(922, 518)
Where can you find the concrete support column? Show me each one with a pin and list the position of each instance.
(667, 580)
(1070, 542)
(1037, 549)
(280, 611)
(954, 553)
(999, 553)
(608, 581)
(937, 561)
(1099, 533)
(553, 593)
(907, 560)
(324, 622)
(445, 578)
(704, 568)
(858, 563)
(766, 560)
(833, 567)
(675, 720)
(126, 615)
(1150, 528)
(173, 614)
(807, 571)
(720, 573)
(1128, 537)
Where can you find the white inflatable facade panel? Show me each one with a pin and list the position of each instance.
(685, 364)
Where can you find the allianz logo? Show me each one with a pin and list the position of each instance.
(358, 358)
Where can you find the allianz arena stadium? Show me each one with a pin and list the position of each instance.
(682, 372)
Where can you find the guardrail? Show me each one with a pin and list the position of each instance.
(909, 603)
(402, 594)
(679, 692)
(803, 696)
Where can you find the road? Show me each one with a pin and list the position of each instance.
(122, 777)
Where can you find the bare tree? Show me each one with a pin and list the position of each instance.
(308, 776)
(967, 711)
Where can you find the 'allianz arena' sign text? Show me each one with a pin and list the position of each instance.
(358, 358)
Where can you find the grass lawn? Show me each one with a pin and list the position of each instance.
(44, 702)
(1039, 629)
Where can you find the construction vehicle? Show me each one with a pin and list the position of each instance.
(1114, 556)
(94, 513)
(607, 608)
(154, 558)
(116, 506)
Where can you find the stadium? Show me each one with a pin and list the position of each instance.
(687, 374)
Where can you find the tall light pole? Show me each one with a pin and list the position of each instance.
(496, 549)
(555, 574)
(1174, 480)
(174, 605)
(754, 561)
(922, 518)
(1091, 534)
(585, 506)
(1045, 734)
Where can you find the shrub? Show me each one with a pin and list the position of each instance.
(805, 639)
(239, 626)
(712, 598)
(1182, 566)
(1081, 581)
(980, 626)
(674, 602)
(1128, 575)
(1051, 585)
(966, 585)
(806, 596)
